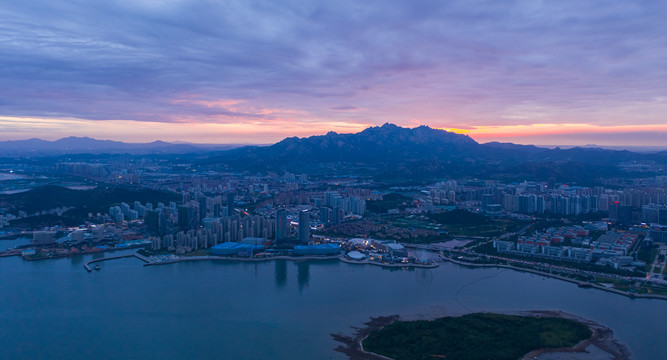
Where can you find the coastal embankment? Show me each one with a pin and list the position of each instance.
(559, 277)
(240, 259)
(153, 262)
(393, 265)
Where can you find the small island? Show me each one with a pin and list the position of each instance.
(478, 336)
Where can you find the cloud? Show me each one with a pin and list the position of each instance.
(256, 131)
(448, 64)
(344, 108)
(570, 134)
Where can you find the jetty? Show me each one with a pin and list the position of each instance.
(136, 255)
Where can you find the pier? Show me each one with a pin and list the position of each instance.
(138, 256)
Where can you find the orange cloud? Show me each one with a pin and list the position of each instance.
(497, 131)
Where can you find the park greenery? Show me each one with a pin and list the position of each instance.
(460, 222)
(477, 336)
(388, 202)
(647, 254)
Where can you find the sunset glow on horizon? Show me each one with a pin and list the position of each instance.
(529, 72)
(267, 132)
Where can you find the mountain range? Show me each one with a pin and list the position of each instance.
(388, 152)
(86, 145)
(391, 151)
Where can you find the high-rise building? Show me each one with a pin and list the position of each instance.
(651, 214)
(325, 215)
(77, 236)
(43, 237)
(163, 223)
(527, 203)
(230, 203)
(203, 211)
(98, 233)
(282, 226)
(152, 221)
(487, 199)
(338, 215)
(185, 217)
(540, 205)
(304, 227)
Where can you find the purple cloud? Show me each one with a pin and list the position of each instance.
(446, 64)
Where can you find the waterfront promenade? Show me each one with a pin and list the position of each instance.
(342, 258)
(230, 258)
(291, 258)
(393, 265)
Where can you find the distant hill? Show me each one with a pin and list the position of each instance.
(388, 143)
(394, 152)
(387, 153)
(86, 145)
(83, 201)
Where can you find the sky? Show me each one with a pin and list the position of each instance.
(534, 72)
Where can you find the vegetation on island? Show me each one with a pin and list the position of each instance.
(479, 336)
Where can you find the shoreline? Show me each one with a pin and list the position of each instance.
(601, 338)
(363, 262)
(231, 258)
(290, 258)
(432, 265)
(16, 252)
(351, 345)
(558, 277)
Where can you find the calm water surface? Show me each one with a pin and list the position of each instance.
(8, 244)
(272, 310)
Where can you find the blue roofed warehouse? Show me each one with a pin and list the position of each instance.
(234, 248)
(320, 249)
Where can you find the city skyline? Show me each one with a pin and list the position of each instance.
(540, 73)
